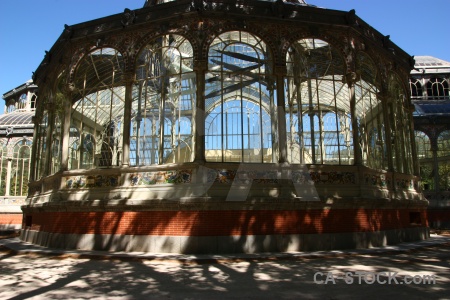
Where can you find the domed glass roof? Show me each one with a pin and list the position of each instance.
(17, 119)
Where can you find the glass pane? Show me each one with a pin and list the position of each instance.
(166, 94)
(240, 123)
(97, 117)
(369, 113)
(317, 105)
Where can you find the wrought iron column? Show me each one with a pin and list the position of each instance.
(198, 115)
(35, 120)
(66, 128)
(351, 78)
(280, 74)
(388, 142)
(50, 127)
(129, 81)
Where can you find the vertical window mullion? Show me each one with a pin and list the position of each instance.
(320, 120)
(300, 130)
(242, 122)
(137, 120)
(162, 122)
(223, 137)
(261, 131)
(311, 115)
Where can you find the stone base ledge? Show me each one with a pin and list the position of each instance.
(225, 244)
(10, 227)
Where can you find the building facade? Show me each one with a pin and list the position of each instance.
(430, 80)
(223, 126)
(16, 137)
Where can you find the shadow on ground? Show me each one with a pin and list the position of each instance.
(39, 277)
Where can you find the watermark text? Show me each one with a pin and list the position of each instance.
(360, 277)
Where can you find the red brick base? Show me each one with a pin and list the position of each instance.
(10, 221)
(225, 223)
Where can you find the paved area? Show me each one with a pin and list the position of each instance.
(406, 271)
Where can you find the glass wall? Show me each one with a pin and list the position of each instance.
(240, 102)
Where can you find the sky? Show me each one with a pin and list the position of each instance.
(28, 27)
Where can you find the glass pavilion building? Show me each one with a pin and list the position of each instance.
(16, 138)
(224, 126)
(430, 94)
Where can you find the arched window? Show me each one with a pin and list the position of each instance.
(423, 145)
(10, 106)
(443, 142)
(369, 113)
(416, 88)
(163, 103)
(22, 104)
(425, 155)
(98, 113)
(83, 153)
(319, 129)
(3, 168)
(437, 88)
(20, 168)
(33, 101)
(240, 105)
(74, 146)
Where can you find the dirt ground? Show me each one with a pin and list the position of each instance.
(418, 273)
